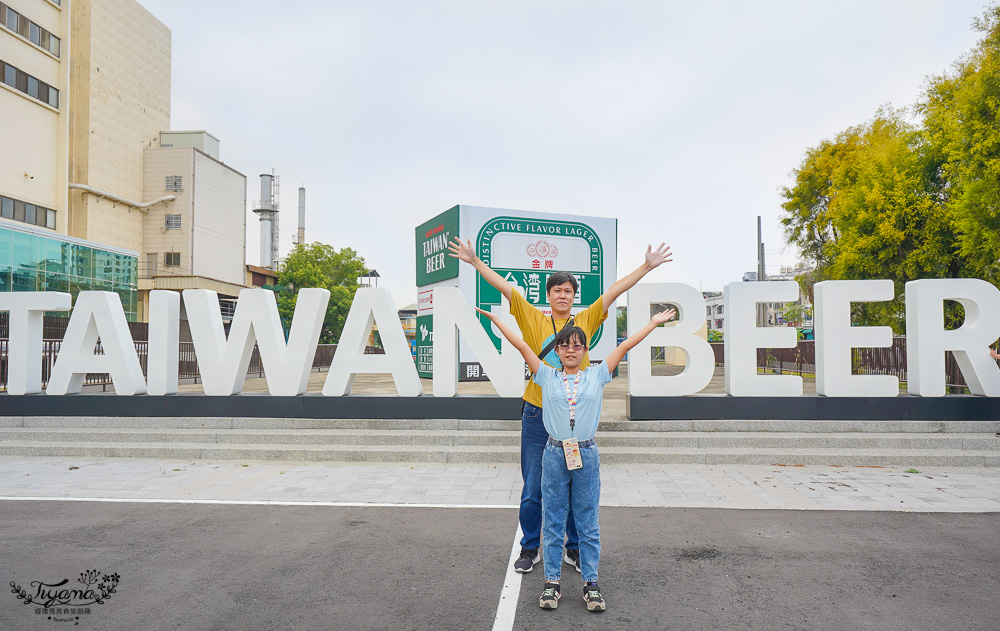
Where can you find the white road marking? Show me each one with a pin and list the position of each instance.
(136, 500)
(511, 589)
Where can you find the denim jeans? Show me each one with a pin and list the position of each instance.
(533, 439)
(567, 493)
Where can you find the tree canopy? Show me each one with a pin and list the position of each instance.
(912, 193)
(320, 265)
(961, 112)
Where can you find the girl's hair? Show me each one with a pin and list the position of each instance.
(568, 333)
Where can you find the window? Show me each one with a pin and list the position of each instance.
(708, 310)
(28, 213)
(172, 259)
(23, 82)
(718, 324)
(719, 309)
(175, 183)
(173, 222)
(29, 30)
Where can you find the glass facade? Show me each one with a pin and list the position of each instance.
(30, 262)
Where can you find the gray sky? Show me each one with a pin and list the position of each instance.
(680, 119)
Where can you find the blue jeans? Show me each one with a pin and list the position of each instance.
(533, 439)
(579, 489)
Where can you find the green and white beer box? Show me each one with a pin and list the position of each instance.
(524, 247)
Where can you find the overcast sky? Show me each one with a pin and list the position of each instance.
(680, 119)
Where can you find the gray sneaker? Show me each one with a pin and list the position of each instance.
(592, 596)
(550, 596)
(526, 562)
(573, 558)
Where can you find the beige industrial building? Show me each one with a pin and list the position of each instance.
(98, 193)
(198, 239)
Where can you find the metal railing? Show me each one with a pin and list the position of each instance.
(798, 360)
(890, 360)
(187, 361)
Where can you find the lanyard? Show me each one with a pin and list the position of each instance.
(552, 342)
(571, 397)
(553, 320)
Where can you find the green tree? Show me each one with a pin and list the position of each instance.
(622, 321)
(796, 313)
(320, 265)
(908, 200)
(868, 204)
(961, 111)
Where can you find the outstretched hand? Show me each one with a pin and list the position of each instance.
(489, 314)
(657, 258)
(461, 251)
(663, 316)
(994, 354)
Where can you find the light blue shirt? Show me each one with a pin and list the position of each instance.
(589, 396)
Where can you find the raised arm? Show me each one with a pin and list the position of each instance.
(616, 355)
(515, 339)
(464, 252)
(653, 260)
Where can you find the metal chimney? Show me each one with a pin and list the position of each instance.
(302, 215)
(267, 210)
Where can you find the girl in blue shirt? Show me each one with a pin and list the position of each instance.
(571, 410)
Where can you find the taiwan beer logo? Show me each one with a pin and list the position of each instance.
(525, 252)
(61, 601)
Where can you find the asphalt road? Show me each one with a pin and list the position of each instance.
(184, 566)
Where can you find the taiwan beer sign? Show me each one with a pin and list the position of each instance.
(433, 262)
(525, 248)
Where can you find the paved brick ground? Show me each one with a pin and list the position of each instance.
(839, 488)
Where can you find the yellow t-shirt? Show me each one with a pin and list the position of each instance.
(537, 330)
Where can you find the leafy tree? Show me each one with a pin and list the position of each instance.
(907, 200)
(320, 265)
(865, 205)
(796, 313)
(961, 112)
(622, 321)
